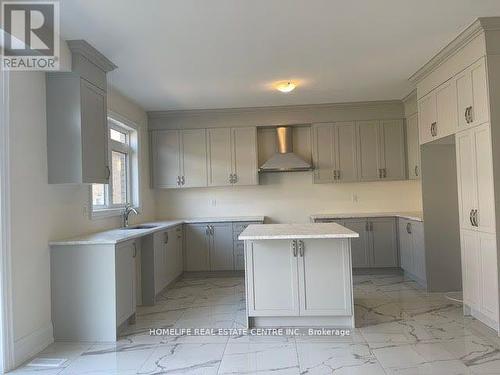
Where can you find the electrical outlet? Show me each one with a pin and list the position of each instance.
(213, 202)
(354, 198)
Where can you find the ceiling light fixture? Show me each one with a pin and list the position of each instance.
(285, 86)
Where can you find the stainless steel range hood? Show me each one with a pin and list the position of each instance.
(285, 160)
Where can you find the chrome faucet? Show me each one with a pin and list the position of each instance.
(126, 213)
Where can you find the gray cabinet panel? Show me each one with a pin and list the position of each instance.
(361, 246)
(197, 248)
(385, 250)
(244, 144)
(221, 247)
(368, 150)
(323, 153)
(125, 281)
(393, 151)
(219, 156)
(194, 158)
(345, 155)
(166, 158)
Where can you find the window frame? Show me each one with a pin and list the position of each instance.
(131, 149)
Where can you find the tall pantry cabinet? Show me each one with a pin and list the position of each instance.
(470, 111)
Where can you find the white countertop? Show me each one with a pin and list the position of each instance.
(114, 236)
(416, 216)
(296, 231)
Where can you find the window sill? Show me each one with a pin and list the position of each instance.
(108, 212)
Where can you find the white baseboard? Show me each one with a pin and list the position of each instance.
(32, 344)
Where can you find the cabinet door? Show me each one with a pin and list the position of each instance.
(426, 117)
(166, 158)
(345, 155)
(385, 249)
(466, 177)
(480, 112)
(179, 267)
(413, 147)
(484, 179)
(446, 109)
(196, 249)
(125, 280)
(325, 278)
(418, 250)
(239, 255)
(405, 245)
(170, 256)
(392, 150)
(323, 153)
(470, 268)
(94, 134)
(272, 279)
(360, 248)
(464, 97)
(219, 156)
(488, 274)
(245, 156)
(368, 150)
(221, 247)
(194, 157)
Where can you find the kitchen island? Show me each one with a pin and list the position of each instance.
(298, 275)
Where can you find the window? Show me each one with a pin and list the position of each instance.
(109, 199)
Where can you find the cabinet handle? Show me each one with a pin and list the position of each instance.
(384, 170)
(367, 226)
(108, 172)
(467, 115)
(235, 178)
(474, 218)
(379, 173)
(470, 217)
(166, 238)
(207, 230)
(416, 170)
(294, 248)
(178, 180)
(338, 174)
(408, 228)
(212, 230)
(434, 129)
(301, 248)
(183, 181)
(135, 250)
(231, 180)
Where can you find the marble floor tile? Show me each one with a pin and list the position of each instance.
(202, 359)
(254, 358)
(400, 329)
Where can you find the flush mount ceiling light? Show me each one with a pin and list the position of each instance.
(285, 86)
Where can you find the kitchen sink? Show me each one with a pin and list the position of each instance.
(144, 226)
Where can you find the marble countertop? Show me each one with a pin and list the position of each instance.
(416, 216)
(296, 231)
(114, 236)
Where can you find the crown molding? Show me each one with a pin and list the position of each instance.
(302, 107)
(85, 49)
(480, 25)
(412, 94)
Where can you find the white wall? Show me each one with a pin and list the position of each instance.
(43, 212)
(289, 197)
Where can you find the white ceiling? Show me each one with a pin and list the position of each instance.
(187, 54)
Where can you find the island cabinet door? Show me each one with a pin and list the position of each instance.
(325, 281)
(271, 273)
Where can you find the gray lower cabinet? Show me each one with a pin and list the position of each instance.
(412, 249)
(376, 246)
(196, 248)
(214, 246)
(93, 290)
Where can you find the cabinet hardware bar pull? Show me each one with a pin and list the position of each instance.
(108, 172)
(474, 217)
(294, 248)
(301, 248)
(467, 115)
(135, 251)
(470, 217)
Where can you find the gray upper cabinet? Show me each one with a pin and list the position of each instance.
(219, 156)
(392, 150)
(381, 150)
(323, 152)
(77, 119)
(232, 156)
(413, 147)
(244, 151)
(179, 158)
(334, 152)
(369, 150)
